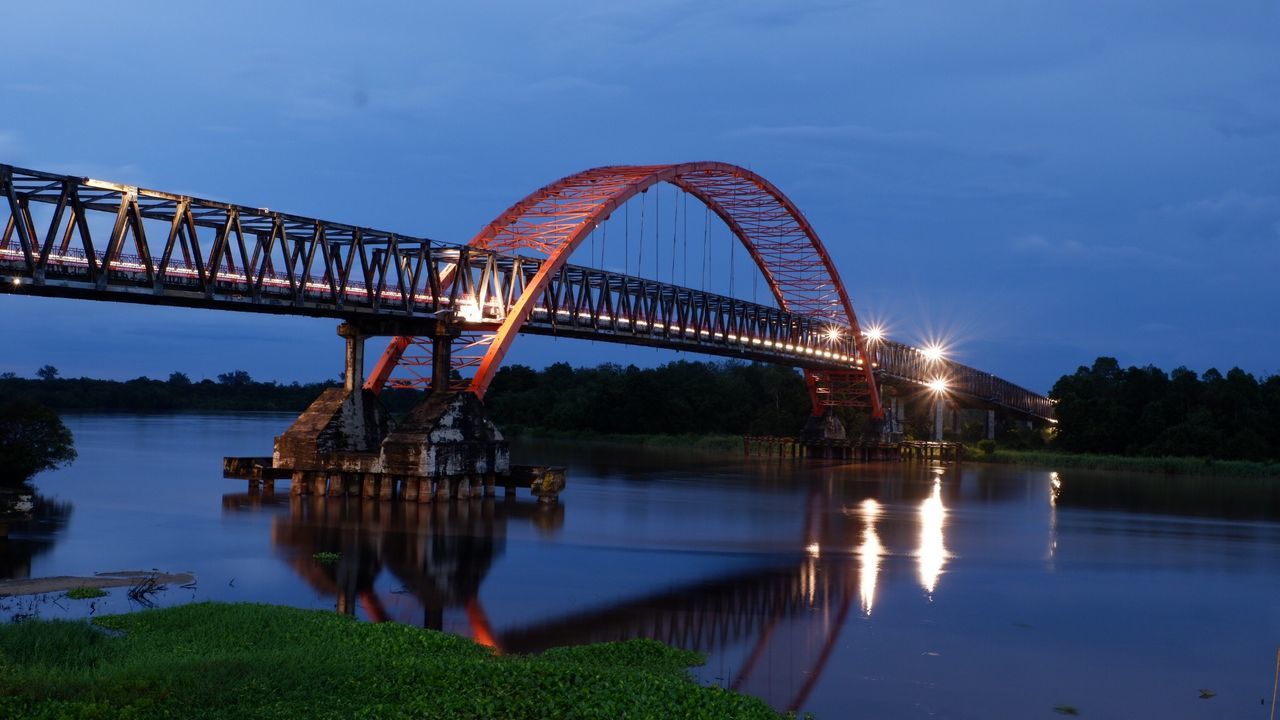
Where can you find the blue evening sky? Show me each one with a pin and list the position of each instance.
(1041, 182)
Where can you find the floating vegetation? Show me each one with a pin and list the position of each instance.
(1066, 709)
(327, 558)
(85, 593)
(202, 661)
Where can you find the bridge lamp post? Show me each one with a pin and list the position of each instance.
(938, 386)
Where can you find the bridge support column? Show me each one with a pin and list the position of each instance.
(825, 437)
(442, 355)
(353, 377)
(340, 432)
(344, 445)
(991, 424)
(939, 414)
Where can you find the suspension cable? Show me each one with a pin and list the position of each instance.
(685, 243)
(675, 223)
(640, 244)
(706, 253)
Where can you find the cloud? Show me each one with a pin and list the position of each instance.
(1234, 215)
(826, 133)
(1074, 252)
(1248, 126)
(574, 85)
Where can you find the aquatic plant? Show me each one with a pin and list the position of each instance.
(206, 660)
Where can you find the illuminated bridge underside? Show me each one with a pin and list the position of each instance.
(72, 237)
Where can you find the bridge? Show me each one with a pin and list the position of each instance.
(76, 237)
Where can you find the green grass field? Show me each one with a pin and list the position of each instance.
(1127, 463)
(214, 660)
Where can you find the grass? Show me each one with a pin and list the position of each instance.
(86, 593)
(1129, 463)
(213, 660)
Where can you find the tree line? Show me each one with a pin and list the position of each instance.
(233, 390)
(1104, 408)
(680, 397)
(1146, 411)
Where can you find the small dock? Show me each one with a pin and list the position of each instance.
(851, 450)
(543, 481)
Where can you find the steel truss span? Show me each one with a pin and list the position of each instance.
(75, 237)
(556, 218)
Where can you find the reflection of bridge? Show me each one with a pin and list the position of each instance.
(81, 238)
(775, 625)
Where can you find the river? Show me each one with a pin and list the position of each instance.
(876, 591)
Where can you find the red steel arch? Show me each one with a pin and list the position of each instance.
(556, 218)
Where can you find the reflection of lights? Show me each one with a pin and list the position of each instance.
(938, 385)
(874, 333)
(934, 352)
(933, 553)
(869, 553)
(1055, 489)
(17, 281)
(813, 549)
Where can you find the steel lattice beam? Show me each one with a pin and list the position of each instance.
(75, 237)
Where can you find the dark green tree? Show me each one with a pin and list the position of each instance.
(32, 439)
(235, 378)
(47, 372)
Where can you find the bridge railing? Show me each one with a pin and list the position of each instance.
(903, 362)
(74, 236)
(79, 237)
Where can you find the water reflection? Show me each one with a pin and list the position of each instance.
(437, 554)
(1055, 489)
(32, 537)
(932, 554)
(772, 626)
(869, 553)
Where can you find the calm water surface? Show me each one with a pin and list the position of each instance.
(876, 591)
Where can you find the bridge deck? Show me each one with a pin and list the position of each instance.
(80, 238)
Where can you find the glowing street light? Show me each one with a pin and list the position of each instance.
(833, 333)
(938, 385)
(934, 352)
(874, 333)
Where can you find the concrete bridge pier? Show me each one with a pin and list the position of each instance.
(445, 448)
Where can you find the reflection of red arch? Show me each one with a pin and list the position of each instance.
(556, 218)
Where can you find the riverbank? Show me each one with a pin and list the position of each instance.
(214, 660)
(1203, 467)
(689, 441)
